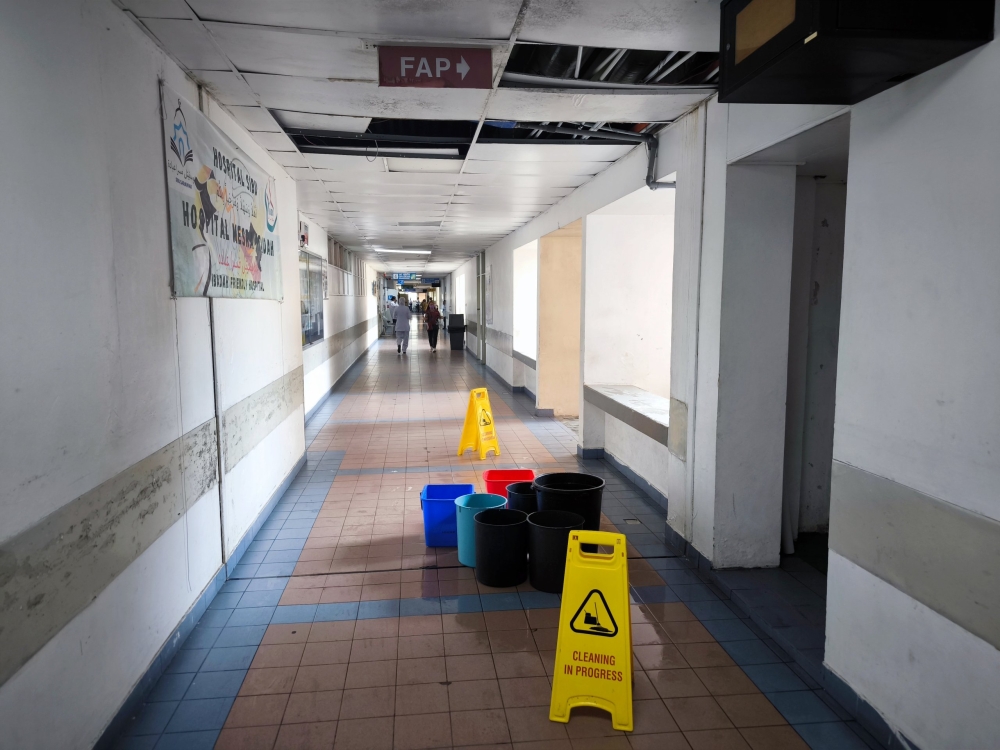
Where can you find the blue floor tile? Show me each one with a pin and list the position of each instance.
(293, 534)
(250, 616)
(268, 584)
(461, 603)
(188, 741)
(223, 659)
(802, 707)
(539, 600)
(252, 558)
(215, 685)
(712, 610)
(260, 599)
(729, 630)
(202, 637)
(244, 571)
(246, 635)
(832, 736)
(500, 602)
(215, 618)
(144, 742)
(187, 660)
(152, 718)
(294, 613)
(746, 653)
(696, 592)
(415, 607)
(336, 612)
(234, 586)
(275, 569)
(655, 594)
(170, 687)
(199, 715)
(225, 601)
(375, 610)
(771, 678)
(679, 577)
(281, 556)
(282, 544)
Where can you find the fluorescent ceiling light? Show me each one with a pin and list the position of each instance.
(415, 252)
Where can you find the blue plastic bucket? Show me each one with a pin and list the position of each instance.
(438, 504)
(466, 508)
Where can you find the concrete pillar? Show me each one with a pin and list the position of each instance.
(743, 354)
(559, 283)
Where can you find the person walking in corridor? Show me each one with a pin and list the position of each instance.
(401, 316)
(431, 318)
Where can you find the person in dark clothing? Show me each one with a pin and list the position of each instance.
(431, 318)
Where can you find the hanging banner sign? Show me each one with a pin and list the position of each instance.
(594, 642)
(223, 214)
(436, 67)
(479, 432)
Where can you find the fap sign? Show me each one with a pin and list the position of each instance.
(436, 67)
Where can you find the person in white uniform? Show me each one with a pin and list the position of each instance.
(401, 315)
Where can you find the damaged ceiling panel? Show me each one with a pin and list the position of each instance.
(410, 19)
(257, 49)
(541, 105)
(366, 99)
(452, 170)
(646, 24)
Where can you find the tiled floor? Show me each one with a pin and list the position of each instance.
(339, 629)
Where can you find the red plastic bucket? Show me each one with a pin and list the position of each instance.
(498, 479)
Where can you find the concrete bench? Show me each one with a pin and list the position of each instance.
(630, 427)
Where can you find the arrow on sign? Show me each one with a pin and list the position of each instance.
(462, 68)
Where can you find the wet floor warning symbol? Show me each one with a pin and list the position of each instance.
(478, 432)
(594, 646)
(594, 617)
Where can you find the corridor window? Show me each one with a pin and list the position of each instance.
(311, 295)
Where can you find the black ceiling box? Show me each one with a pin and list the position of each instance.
(840, 51)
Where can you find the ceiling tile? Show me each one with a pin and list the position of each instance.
(443, 19)
(634, 24)
(275, 141)
(188, 43)
(549, 151)
(366, 99)
(255, 119)
(589, 105)
(312, 121)
(258, 49)
(227, 87)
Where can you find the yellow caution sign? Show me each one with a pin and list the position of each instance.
(594, 647)
(478, 433)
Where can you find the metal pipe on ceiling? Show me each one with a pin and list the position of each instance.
(611, 67)
(659, 66)
(620, 136)
(579, 58)
(674, 67)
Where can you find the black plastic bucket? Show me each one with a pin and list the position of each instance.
(548, 537)
(501, 547)
(521, 496)
(577, 493)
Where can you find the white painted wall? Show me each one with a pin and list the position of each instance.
(930, 678)
(500, 263)
(526, 299)
(464, 279)
(101, 367)
(629, 254)
(917, 400)
(340, 312)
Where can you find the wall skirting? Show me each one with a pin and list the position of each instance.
(51, 572)
(942, 555)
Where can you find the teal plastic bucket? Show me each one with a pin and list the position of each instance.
(466, 508)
